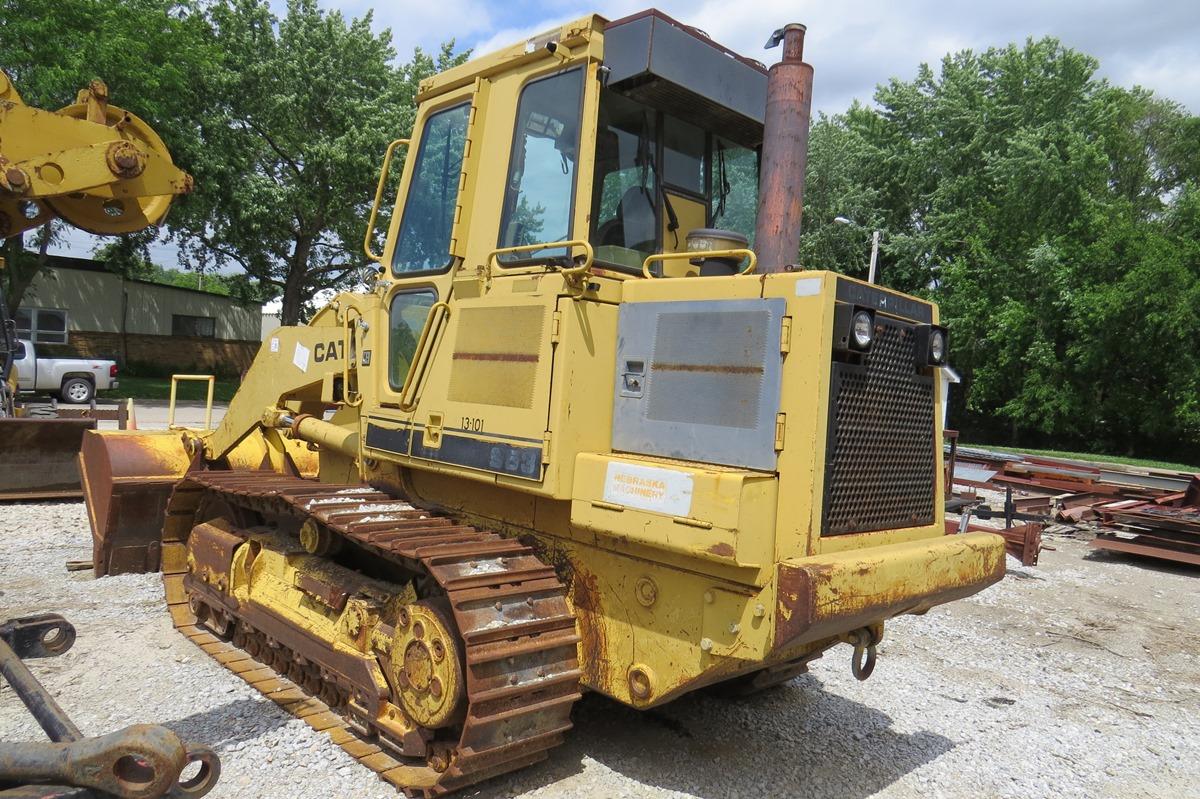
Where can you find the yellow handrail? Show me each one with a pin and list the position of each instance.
(410, 392)
(569, 271)
(675, 256)
(383, 173)
(350, 357)
(212, 381)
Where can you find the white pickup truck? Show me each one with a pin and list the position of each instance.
(72, 379)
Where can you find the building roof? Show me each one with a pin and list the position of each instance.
(92, 265)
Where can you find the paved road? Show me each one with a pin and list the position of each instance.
(152, 414)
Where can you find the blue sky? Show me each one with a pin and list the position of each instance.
(853, 46)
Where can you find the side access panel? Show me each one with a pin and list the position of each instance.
(700, 380)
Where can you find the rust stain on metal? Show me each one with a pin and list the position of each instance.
(722, 549)
(585, 596)
(793, 612)
(125, 160)
(506, 357)
(723, 369)
(784, 154)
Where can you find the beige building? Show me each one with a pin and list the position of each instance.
(76, 307)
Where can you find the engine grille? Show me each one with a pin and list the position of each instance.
(881, 463)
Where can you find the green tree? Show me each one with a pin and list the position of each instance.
(1053, 216)
(282, 121)
(147, 51)
(304, 106)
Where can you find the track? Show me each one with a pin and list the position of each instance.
(515, 627)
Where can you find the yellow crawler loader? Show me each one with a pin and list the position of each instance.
(96, 167)
(591, 428)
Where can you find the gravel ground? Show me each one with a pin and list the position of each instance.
(1076, 678)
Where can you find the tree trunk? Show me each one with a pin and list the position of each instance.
(21, 268)
(293, 286)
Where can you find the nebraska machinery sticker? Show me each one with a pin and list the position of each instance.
(648, 488)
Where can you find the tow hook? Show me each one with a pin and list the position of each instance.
(862, 662)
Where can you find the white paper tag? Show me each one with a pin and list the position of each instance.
(648, 488)
(275, 344)
(300, 357)
(808, 287)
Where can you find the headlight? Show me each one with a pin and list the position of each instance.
(862, 330)
(937, 346)
(853, 328)
(932, 345)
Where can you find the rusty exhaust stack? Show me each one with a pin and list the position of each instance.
(784, 153)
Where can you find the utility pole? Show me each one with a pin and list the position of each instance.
(874, 256)
(875, 236)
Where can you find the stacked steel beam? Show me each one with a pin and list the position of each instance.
(1167, 528)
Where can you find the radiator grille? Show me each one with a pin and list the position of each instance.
(881, 467)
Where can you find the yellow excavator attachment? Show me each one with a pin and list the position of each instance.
(128, 476)
(94, 165)
(101, 169)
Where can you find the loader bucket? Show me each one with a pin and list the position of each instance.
(128, 477)
(39, 457)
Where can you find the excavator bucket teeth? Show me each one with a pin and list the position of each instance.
(40, 457)
(128, 477)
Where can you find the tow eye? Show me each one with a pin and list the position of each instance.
(862, 662)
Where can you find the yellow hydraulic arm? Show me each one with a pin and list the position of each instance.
(96, 166)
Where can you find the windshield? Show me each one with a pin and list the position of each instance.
(424, 243)
(540, 189)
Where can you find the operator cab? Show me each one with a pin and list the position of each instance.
(658, 141)
(678, 134)
(679, 130)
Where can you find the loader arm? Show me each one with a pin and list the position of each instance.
(285, 372)
(128, 476)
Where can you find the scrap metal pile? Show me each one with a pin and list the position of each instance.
(1150, 512)
(1167, 528)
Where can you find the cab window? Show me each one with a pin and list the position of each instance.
(624, 207)
(734, 200)
(683, 155)
(406, 318)
(424, 241)
(539, 191)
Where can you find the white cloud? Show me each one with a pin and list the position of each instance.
(854, 47)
